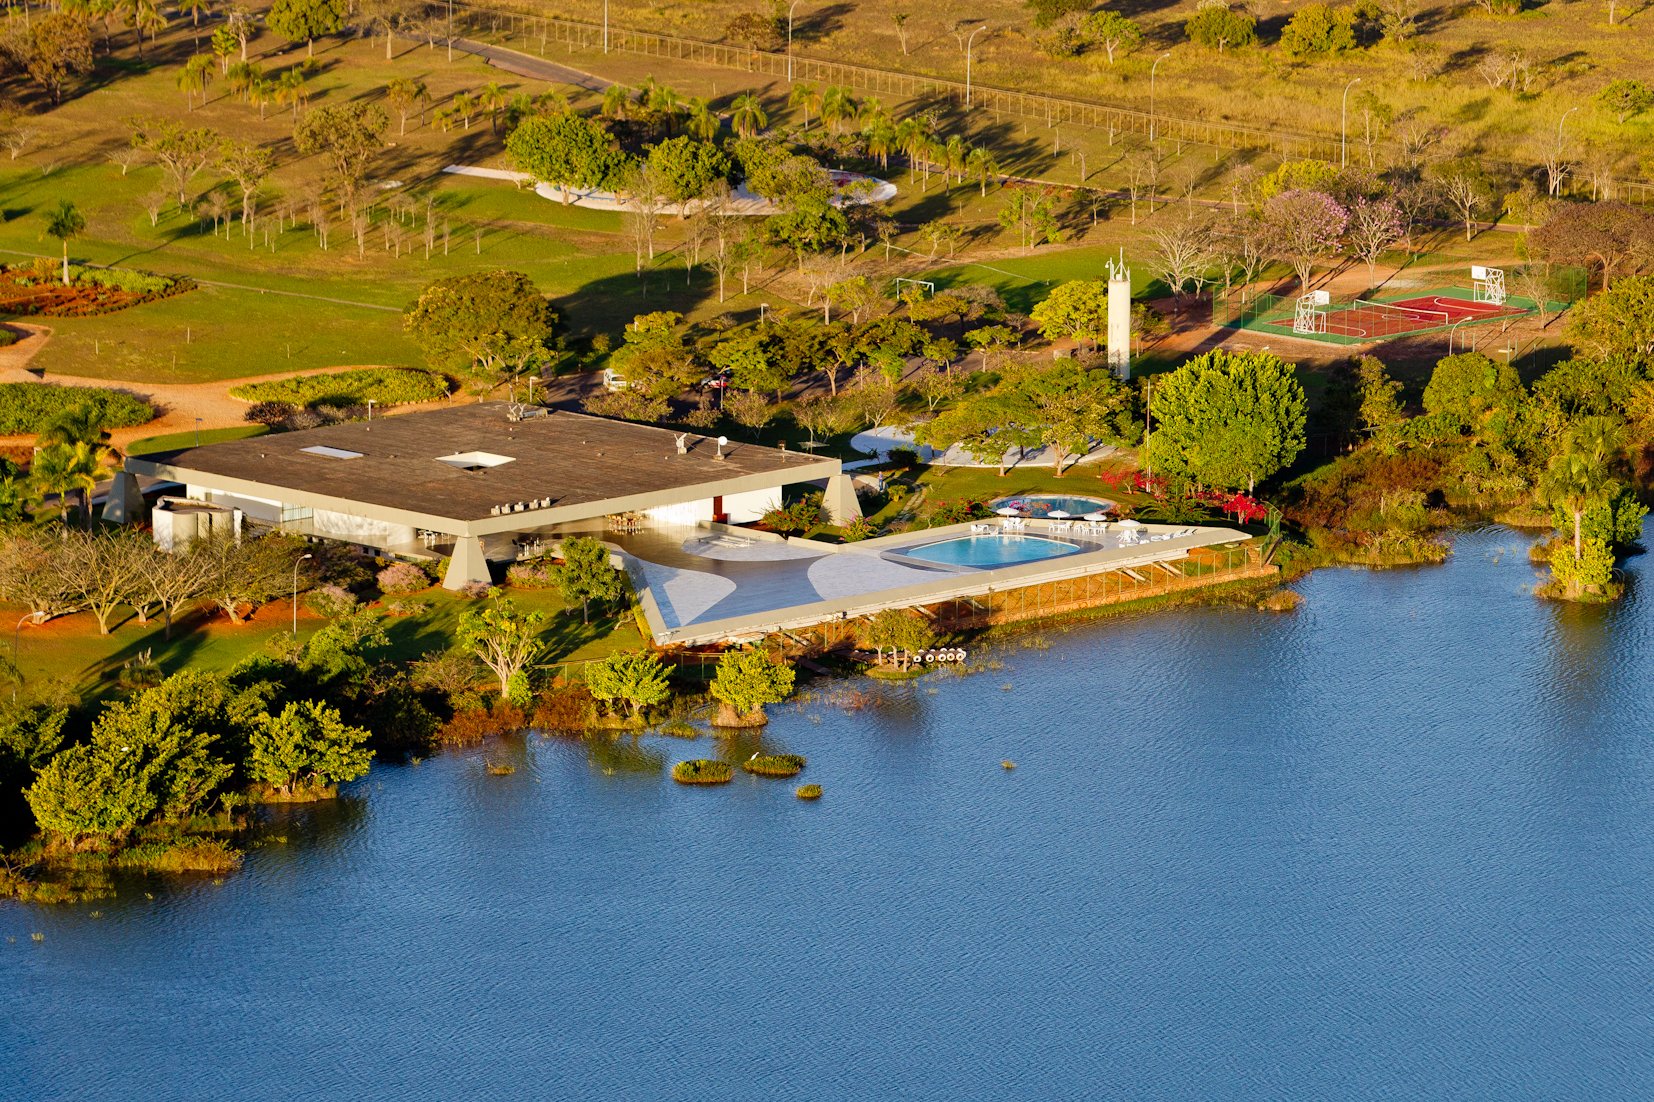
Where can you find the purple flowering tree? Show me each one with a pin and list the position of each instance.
(1375, 225)
(1305, 228)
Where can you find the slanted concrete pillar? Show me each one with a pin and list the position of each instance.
(125, 503)
(468, 564)
(840, 500)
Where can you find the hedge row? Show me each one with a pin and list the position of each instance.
(29, 407)
(386, 386)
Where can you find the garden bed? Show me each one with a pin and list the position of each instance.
(38, 290)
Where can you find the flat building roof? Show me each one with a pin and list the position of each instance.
(471, 462)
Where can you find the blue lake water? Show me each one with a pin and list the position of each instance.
(995, 550)
(1396, 845)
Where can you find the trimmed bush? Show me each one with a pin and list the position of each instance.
(534, 574)
(29, 407)
(386, 386)
(808, 792)
(402, 577)
(703, 771)
(774, 765)
(270, 414)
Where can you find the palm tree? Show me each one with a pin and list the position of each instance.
(954, 154)
(75, 468)
(663, 99)
(1581, 474)
(493, 99)
(289, 89)
(77, 424)
(192, 79)
(64, 222)
(913, 139)
(880, 136)
(747, 115)
(872, 110)
(195, 8)
(982, 164)
(260, 93)
(700, 120)
(837, 106)
(617, 101)
(806, 98)
(240, 76)
(465, 106)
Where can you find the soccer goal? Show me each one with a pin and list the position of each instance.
(1311, 313)
(1487, 284)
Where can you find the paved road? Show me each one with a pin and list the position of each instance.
(527, 65)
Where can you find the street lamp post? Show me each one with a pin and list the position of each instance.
(968, 42)
(370, 410)
(198, 432)
(296, 562)
(763, 308)
(790, 8)
(451, 28)
(1152, 69)
(605, 25)
(1343, 125)
(1454, 332)
(1556, 180)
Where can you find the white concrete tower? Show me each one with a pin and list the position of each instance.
(1119, 317)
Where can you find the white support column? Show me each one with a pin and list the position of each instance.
(125, 503)
(468, 564)
(840, 500)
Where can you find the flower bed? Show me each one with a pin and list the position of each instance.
(37, 292)
(385, 386)
(702, 771)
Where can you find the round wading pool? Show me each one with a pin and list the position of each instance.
(1007, 549)
(1043, 505)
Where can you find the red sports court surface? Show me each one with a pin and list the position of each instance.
(1365, 320)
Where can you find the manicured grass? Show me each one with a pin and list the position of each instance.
(70, 651)
(173, 441)
(1024, 280)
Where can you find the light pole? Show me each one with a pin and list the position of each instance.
(790, 8)
(451, 28)
(605, 25)
(198, 432)
(763, 308)
(1343, 125)
(296, 563)
(1152, 69)
(968, 41)
(1454, 332)
(370, 411)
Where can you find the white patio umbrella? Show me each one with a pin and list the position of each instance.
(1059, 514)
(1100, 514)
(1131, 524)
(1008, 511)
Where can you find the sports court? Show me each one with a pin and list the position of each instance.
(1318, 316)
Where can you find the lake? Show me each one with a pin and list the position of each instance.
(1394, 845)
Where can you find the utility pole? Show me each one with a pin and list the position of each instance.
(1152, 69)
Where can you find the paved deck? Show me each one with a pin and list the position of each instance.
(699, 587)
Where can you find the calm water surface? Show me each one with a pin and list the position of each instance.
(1397, 845)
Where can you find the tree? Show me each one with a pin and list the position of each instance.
(1076, 310)
(105, 571)
(1626, 97)
(1227, 419)
(1475, 394)
(182, 152)
(688, 168)
(1618, 322)
(756, 30)
(242, 25)
(746, 681)
(566, 151)
(1605, 235)
(807, 98)
(1066, 408)
(808, 224)
(90, 793)
(347, 136)
(241, 574)
(747, 115)
(585, 574)
(1216, 25)
(1317, 29)
(489, 324)
(1113, 32)
(1047, 12)
(306, 749)
(1380, 410)
(900, 629)
(406, 95)
(634, 678)
(508, 642)
(57, 47)
(1374, 226)
(65, 222)
(654, 360)
(192, 79)
(306, 20)
(1184, 255)
(1465, 185)
(172, 581)
(1580, 475)
(1305, 227)
(1031, 213)
(70, 468)
(249, 166)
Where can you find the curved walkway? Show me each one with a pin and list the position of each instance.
(880, 441)
(742, 202)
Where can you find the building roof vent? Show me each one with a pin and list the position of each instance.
(475, 461)
(330, 453)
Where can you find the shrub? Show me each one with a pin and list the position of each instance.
(331, 601)
(859, 529)
(273, 414)
(534, 574)
(26, 407)
(1318, 29)
(774, 765)
(474, 591)
(703, 771)
(406, 608)
(808, 792)
(386, 386)
(904, 458)
(565, 709)
(1216, 25)
(476, 724)
(7, 336)
(402, 577)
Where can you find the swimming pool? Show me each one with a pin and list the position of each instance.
(1041, 505)
(997, 550)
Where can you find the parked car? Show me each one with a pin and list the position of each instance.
(613, 380)
(714, 382)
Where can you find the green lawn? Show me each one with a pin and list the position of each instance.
(70, 651)
(176, 440)
(1024, 280)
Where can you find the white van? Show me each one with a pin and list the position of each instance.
(614, 381)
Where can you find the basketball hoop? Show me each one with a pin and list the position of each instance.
(1487, 284)
(1311, 313)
